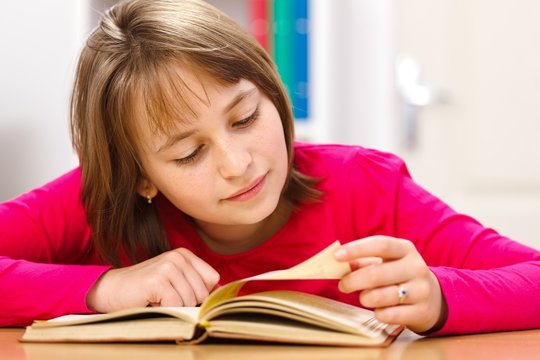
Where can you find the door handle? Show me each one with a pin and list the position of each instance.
(414, 95)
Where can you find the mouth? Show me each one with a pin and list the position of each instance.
(249, 191)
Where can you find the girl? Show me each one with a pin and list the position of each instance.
(189, 177)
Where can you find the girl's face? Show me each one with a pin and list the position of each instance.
(228, 164)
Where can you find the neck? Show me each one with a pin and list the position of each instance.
(234, 239)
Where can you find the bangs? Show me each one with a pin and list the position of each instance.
(166, 99)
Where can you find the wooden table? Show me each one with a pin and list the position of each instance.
(515, 345)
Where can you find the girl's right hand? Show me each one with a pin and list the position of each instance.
(174, 278)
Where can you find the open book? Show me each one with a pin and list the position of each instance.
(276, 316)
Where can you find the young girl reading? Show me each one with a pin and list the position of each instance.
(189, 177)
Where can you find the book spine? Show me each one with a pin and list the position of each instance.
(260, 22)
(283, 41)
(300, 84)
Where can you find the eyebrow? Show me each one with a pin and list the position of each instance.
(174, 139)
(182, 135)
(239, 98)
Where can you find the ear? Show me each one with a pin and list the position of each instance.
(146, 189)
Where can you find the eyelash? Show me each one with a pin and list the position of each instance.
(249, 120)
(190, 158)
(241, 124)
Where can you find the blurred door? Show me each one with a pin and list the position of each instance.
(479, 149)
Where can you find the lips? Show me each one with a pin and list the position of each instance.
(249, 191)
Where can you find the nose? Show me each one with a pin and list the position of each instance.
(233, 159)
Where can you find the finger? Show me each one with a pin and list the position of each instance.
(385, 247)
(169, 273)
(164, 294)
(416, 317)
(379, 275)
(403, 294)
(196, 283)
(399, 315)
(363, 262)
(185, 290)
(209, 276)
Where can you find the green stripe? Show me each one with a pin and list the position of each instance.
(284, 41)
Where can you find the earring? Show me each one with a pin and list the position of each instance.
(148, 198)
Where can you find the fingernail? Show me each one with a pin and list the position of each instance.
(342, 288)
(340, 254)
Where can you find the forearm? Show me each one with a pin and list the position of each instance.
(33, 291)
(490, 300)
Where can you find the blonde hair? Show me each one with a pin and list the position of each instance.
(127, 59)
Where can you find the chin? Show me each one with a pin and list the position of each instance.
(255, 215)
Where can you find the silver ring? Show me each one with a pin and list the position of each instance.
(402, 294)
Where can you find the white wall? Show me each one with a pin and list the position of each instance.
(39, 43)
(351, 73)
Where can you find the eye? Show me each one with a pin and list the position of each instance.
(247, 121)
(190, 158)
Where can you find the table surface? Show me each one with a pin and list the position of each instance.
(504, 345)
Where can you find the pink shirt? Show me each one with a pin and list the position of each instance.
(490, 282)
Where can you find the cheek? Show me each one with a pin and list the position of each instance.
(183, 191)
(272, 134)
(277, 144)
(275, 150)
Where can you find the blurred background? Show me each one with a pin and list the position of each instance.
(452, 86)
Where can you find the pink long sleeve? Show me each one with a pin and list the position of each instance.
(491, 300)
(46, 262)
(489, 281)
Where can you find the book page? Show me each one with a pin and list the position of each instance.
(322, 265)
(306, 308)
(188, 314)
(279, 329)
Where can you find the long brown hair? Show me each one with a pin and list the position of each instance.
(122, 65)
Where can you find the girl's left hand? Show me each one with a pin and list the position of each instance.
(384, 267)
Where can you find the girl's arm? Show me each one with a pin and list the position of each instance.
(489, 282)
(33, 291)
(47, 266)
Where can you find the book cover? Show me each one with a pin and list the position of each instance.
(300, 58)
(260, 22)
(283, 11)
